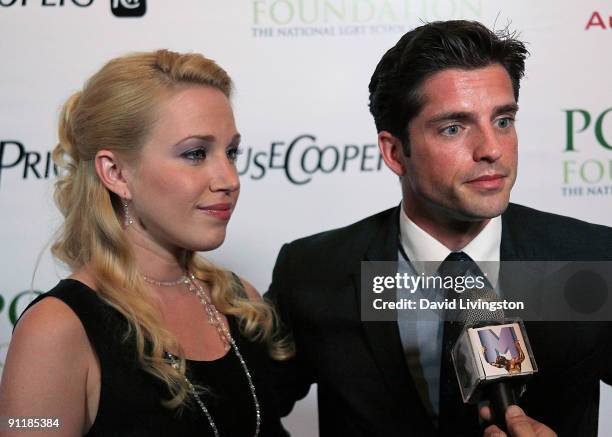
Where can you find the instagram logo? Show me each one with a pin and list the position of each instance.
(129, 8)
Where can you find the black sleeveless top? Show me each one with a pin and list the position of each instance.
(130, 398)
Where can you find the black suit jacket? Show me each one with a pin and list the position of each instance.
(364, 386)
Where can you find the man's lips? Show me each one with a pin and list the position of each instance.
(222, 211)
(489, 181)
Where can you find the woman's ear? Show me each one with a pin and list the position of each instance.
(112, 173)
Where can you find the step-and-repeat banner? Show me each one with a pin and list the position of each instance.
(301, 69)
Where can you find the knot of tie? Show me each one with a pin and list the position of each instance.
(459, 264)
(458, 256)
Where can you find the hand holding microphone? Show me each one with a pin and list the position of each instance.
(518, 423)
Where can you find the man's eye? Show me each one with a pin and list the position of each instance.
(195, 155)
(451, 130)
(505, 122)
(232, 154)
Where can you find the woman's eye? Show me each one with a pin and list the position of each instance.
(451, 130)
(195, 155)
(232, 154)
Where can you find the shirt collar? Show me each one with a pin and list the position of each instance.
(420, 246)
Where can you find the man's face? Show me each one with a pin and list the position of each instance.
(463, 147)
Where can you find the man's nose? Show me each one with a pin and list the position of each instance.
(488, 145)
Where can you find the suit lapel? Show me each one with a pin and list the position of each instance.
(519, 267)
(517, 242)
(383, 337)
(508, 250)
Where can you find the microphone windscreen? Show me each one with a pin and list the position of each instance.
(474, 312)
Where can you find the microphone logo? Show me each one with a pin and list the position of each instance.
(503, 351)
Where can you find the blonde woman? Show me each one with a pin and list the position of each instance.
(146, 338)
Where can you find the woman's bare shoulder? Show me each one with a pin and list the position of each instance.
(48, 332)
(45, 372)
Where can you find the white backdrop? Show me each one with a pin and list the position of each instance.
(301, 69)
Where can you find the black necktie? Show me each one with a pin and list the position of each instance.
(456, 419)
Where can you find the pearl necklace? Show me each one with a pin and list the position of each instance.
(214, 318)
(182, 280)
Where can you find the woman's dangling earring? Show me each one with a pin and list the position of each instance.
(127, 218)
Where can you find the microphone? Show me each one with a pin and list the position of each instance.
(492, 356)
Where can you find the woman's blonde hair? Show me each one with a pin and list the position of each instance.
(115, 111)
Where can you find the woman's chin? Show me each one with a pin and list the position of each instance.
(208, 245)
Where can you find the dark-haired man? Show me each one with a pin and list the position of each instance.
(444, 99)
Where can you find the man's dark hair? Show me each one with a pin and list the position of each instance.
(395, 85)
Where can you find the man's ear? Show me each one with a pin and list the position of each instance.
(112, 173)
(392, 151)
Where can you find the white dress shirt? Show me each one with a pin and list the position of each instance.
(422, 340)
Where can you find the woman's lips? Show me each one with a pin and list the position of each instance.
(221, 211)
